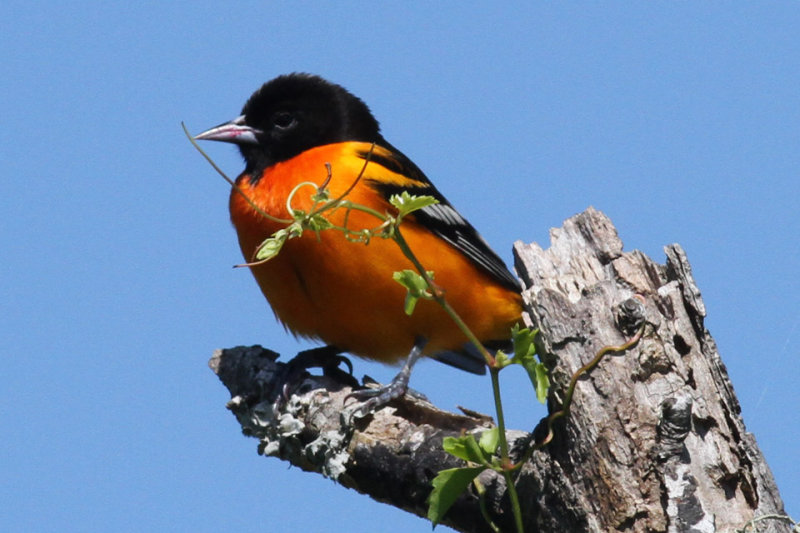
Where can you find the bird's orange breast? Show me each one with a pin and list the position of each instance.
(324, 286)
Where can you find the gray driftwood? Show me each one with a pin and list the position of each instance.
(654, 441)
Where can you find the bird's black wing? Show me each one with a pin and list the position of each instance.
(442, 218)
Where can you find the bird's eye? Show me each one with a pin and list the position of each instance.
(283, 120)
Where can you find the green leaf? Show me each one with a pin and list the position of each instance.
(322, 195)
(447, 487)
(502, 359)
(466, 448)
(458, 447)
(407, 203)
(489, 441)
(317, 223)
(455, 446)
(542, 382)
(416, 287)
(273, 245)
(539, 377)
(523, 339)
(411, 280)
(525, 355)
(410, 304)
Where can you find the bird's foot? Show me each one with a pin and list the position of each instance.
(378, 397)
(328, 358)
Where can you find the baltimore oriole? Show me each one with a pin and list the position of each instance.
(322, 285)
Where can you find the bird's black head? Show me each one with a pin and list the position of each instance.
(294, 113)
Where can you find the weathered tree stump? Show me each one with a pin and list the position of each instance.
(654, 440)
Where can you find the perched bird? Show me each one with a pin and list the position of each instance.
(301, 128)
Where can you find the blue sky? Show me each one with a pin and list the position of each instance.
(681, 121)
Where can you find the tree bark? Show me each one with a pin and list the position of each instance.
(654, 440)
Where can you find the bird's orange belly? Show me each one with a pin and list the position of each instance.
(343, 294)
(327, 287)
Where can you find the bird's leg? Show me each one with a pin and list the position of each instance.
(397, 388)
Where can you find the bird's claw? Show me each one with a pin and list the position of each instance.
(328, 358)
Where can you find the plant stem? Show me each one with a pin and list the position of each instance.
(494, 372)
(498, 403)
(231, 182)
(438, 295)
(501, 427)
(567, 402)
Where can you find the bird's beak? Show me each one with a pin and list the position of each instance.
(235, 131)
